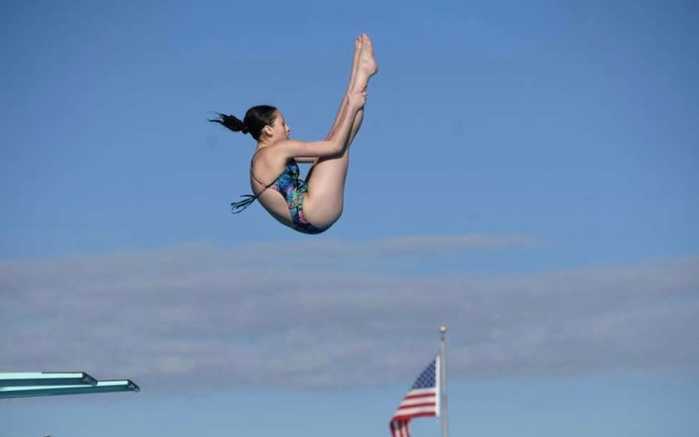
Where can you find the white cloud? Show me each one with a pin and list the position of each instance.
(259, 314)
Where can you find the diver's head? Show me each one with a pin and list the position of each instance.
(263, 122)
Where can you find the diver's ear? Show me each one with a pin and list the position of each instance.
(267, 130)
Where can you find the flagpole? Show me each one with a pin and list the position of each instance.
(443, 381)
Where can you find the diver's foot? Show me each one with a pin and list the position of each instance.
(367, 61)
(358, 43)
(355, 63)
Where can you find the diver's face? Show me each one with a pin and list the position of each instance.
(280, 129)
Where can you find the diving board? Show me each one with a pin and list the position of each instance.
(45, 378)
(31, 384)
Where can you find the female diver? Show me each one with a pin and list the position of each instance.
(313, 205)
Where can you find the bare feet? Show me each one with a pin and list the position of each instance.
(367, 62)
(355, 63)
(358, 43)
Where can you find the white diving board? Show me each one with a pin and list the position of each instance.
(45, 378)
(31, 384)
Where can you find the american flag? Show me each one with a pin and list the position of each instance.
(421, 401)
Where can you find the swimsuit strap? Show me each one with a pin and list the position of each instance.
(248, 199)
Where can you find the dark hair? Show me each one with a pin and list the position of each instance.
(256, 118)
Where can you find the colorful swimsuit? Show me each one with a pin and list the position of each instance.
(290, 185)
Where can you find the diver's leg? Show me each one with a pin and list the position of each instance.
(350, 84)
(326, 180)
(358, 82)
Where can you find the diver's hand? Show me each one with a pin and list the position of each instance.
(356, 100)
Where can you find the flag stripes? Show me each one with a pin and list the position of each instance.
(399, 428)
(421, 401)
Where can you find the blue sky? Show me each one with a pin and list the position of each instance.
(525, 174)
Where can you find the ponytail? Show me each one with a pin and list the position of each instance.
(256, 118)
(231, 122)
